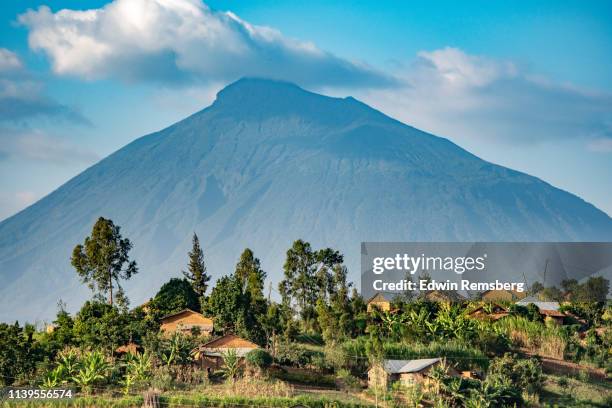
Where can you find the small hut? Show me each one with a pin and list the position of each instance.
(379, 301)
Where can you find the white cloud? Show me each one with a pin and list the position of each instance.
(22, 96)
(451, 93)
(9, 61)
(178, 40)
(36, 145)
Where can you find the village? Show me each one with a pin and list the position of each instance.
(318, 344)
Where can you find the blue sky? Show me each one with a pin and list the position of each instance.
(526, 84)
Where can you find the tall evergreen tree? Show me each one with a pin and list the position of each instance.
(196, 270)
(102, 260)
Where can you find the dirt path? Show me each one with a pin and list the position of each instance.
(556, 366)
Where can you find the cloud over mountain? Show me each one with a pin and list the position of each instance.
(181, 40)
(449, 91)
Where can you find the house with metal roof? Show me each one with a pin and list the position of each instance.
(407, 372)
(548, 310)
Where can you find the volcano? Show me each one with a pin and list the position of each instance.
(267, 163)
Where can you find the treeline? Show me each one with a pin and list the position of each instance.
(316, 298)
(319, 322)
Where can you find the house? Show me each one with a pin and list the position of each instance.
(549, 310)
(492, 312)
(502, 295)
(540, 304)
(211, 354)
(407, 372)
(554, 316)
(379, 301)
(185, 321)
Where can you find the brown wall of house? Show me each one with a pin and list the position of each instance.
(383, 306)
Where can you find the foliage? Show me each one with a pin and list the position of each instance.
(17, 353)
(547, 340)
(251, 277)
(523, 374)
(595, 289)
(174, 296)
(103, 259)
(93, 369)
(230, 305)
(101, 325)
(177, 349)
(294, 354)
(138, 370)
(306, 279)
(196, 270)
(461, 354)
(259, 358)
(231, 364)
(591, 312)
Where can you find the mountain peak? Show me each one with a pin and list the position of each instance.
(250, 89)
(251, 97)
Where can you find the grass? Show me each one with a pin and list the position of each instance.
(542, 339)
(307, 377)
(194, 400)
(460, 354)
(563, 391)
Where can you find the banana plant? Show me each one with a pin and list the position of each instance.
(93, 369)
(69, 361)
(54, 378)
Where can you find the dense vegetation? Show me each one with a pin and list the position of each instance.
(320, 333)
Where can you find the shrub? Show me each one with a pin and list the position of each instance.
(346, 381)
(292, 354)
(523, 374)
(259, 358)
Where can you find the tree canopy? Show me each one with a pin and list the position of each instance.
(103, 259)
(196, 269)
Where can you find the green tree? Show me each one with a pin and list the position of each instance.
(307, 277)
(226, 303)
(100, 325)
(17, 357)
(103, 259)
(196, 270)
(595, 289)
(536, 288)
(251, 276)
(234, 311)
(174, 296)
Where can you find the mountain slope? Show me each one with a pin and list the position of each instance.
(265, 164)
